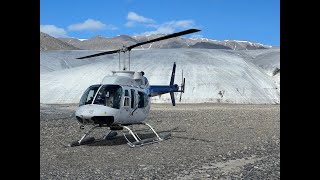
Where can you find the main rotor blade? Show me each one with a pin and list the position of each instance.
(165, 37)
(146, 42)
(99, 54)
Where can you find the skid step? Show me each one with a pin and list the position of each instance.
(145, 141)
(165, 135)
(87, 140)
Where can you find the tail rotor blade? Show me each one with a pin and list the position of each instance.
(173, 74)
(182, 86)
(172, 99)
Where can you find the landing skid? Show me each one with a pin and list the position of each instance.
(112, 134)
(88, 140)
(140, 142)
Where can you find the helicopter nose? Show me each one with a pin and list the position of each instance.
(95, 114)
(84, 116)
(85, 112)
(88, 112)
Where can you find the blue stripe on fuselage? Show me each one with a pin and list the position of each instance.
(157, 90)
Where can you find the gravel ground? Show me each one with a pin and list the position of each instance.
(209, 141)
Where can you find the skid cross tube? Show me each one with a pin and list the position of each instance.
(138, 141)
(159, 138)
(87, 133)
(134, 136)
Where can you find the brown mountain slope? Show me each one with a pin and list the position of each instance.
(50, 43)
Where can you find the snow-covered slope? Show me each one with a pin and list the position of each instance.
(59, 60)
(269, 61)
(212, 75)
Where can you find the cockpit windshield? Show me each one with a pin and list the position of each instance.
(107, 95)
(89, 94)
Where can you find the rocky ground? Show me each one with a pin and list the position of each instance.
(209, 141)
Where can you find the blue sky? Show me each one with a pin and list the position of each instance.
(251, 20)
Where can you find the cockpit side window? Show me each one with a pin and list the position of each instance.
(126, 98)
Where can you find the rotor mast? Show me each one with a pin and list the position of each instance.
(123, 50)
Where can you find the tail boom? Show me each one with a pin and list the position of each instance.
(162, 89)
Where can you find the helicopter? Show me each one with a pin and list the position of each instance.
(123, 99)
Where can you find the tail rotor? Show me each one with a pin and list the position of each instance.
(171, 83)
(175, 87)
(182, 86)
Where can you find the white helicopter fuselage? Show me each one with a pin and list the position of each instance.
(123, 99)
(120, 99)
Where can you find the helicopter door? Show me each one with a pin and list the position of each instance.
(126, 108)
(132, 98)
(142, 106)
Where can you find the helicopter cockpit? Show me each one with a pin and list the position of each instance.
(107, 95)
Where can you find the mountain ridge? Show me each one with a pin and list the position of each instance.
(110, 43)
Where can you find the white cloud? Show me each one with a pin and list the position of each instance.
(54, 31)
(164, 28)
(182, 24)
(195, 36)
(132, 16)
(161, 30)
(171, 27)
(90, 25)
(130, 24)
